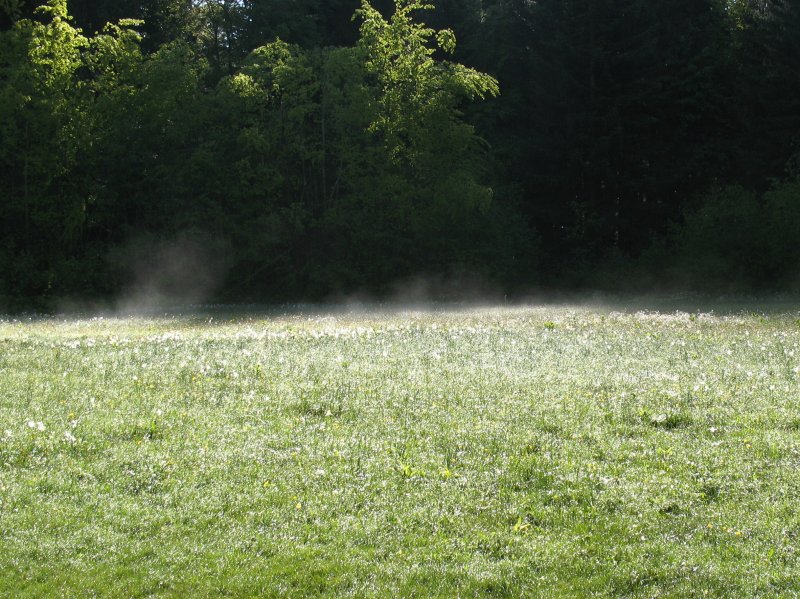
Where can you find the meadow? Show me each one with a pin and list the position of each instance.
(526, 451)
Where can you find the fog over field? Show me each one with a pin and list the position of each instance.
(399, 298)
(320, 450)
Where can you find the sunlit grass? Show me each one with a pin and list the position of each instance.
(508, 452)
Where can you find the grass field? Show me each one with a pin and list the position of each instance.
(499, 452)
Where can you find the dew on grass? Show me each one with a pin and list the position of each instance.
(601, 430)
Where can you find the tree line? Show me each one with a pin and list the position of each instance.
(324, 146)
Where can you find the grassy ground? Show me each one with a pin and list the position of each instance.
(536, 452)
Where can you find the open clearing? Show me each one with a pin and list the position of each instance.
(498, 452)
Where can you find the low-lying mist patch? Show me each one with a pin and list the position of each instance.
(424, 292)
(182, 271)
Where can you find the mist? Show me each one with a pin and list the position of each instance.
(185, 270)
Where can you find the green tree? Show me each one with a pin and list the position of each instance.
(436, 156)
(352, 167)
(418, 96)
(163, 21)
(44, 120)
(615, 114)
(765, 51)
(65, 100)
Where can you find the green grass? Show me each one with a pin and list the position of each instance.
(519, 452)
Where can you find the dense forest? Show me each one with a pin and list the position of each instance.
(267, 150)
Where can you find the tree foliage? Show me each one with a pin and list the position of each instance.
(343, 145)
